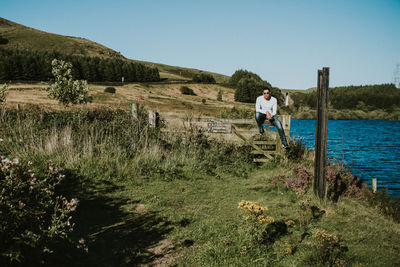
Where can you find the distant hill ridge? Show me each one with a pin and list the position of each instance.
(25, 38)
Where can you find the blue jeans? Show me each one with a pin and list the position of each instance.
(260, 119)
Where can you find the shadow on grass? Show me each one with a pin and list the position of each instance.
(113, 236)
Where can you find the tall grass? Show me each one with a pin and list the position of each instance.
(116, 139)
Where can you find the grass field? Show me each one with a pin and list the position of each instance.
(165, 98)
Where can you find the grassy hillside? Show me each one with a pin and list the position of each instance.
(179, 73)
(22, 37)
(25, 38)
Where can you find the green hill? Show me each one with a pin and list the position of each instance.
(25, 38)
(17, 36)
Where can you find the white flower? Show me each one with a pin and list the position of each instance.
(5, 162)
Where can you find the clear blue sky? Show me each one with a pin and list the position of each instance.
(285, 42)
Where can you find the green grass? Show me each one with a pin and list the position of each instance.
(150, 198)
(209, 206)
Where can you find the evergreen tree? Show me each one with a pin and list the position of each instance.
(219, 95)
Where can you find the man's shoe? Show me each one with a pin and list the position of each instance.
(285, 147)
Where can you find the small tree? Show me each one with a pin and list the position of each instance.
(64, 88)
(219, 95)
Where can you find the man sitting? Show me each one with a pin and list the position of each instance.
(266, 108)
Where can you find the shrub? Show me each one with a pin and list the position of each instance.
(260, 229)
(341, 182)
(3, 40)
(296, 152)
(203, 78)
(255, 221)
(329, 248)
(301, 179)
(110, 90)
(64, 88)
(219, 95)
(31, 217)
(186, 90)
(203, 101)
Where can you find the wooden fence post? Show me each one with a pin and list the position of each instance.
(374, 185)
(154, 119)
(134, 110)
(321, 134)
(286, 125)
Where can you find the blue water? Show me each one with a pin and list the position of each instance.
(370, 147)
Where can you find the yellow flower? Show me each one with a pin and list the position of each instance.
(244, 250)
(289, 223)
(252, 207)
(263, 219)
(225, 241)
(289, 250)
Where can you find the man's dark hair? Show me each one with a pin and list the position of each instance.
(267, 88)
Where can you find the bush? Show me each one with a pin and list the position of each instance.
(296, 152)
(31, 217)
(110, 90)
(3, 40)
(301, 179)
(203, 78)
(329, 248)
(203, 101)
(341, 182)
(64, 88)
(186, 90)
(219, 95)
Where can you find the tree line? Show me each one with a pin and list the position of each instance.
(362, 97)
(36, 66)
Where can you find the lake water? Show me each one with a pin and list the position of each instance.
(370, 147)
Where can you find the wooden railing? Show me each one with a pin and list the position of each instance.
(265, 146)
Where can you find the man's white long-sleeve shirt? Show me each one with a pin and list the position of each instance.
(264, 106)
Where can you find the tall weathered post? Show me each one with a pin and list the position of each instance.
(322, 131)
